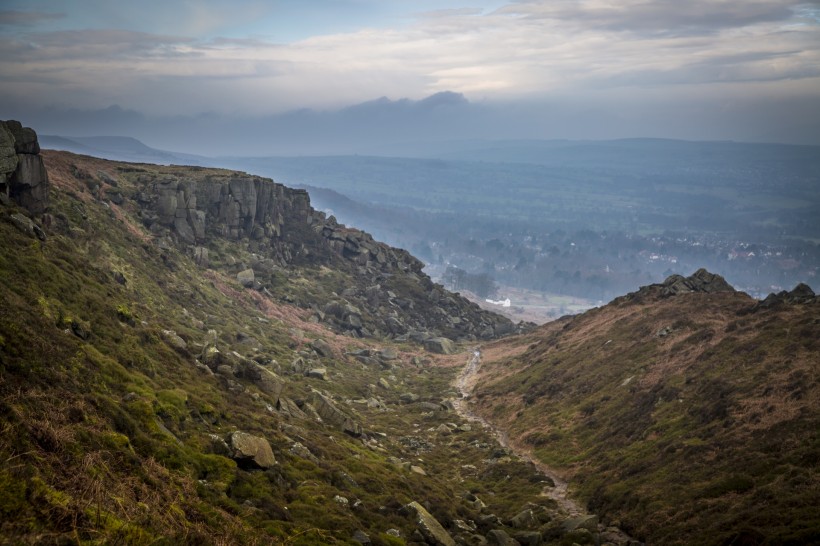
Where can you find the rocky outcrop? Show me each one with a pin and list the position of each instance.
(23, 175)
(802, 294)
(388, 294)
(701, 281)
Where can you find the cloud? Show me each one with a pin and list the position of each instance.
(660, 17)
(27, 18)
(601, 50)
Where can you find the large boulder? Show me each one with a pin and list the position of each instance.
(250, 451)
(25, 139)
(429, 527)
(440, 345)
(329, 413)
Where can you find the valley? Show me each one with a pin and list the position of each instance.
(194, 355)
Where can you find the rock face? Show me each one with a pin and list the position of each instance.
(252, 451)
(429, 527)
(389, 294)
(23, 175)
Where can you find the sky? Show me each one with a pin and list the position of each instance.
(699, 69)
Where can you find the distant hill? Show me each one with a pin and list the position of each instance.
(117, 148)
(686, 411)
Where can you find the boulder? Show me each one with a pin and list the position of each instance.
(172, 339)
(439, 345)
(590, 523)
(251, 451)
(429, 527)
(29, 183)
(328, 411)
(246, 278)
(318, 373)
(322, 348)
(27, 226)
(25, 139)
(497, 537)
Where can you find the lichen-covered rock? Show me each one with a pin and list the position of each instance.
(29, 183)
(329, 413)
(429, 527)
(246, 278)
(25, 139)
(440, 345)
(251, 451)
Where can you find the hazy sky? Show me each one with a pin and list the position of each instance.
(628, 59)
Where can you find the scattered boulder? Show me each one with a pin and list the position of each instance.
(497, 537)
(27, 226)
(328, 411)
(250, 451)
(172, 339)
(318, 373)
(440, 345)
(322, 348)
(429, 527)
(246, 278)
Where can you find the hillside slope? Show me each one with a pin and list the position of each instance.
(150, 397)
(687, 412)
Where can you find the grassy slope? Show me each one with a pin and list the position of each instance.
(105, 424)
(707, 435)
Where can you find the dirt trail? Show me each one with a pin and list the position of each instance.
(465, 383)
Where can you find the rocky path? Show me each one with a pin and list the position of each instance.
(465, 383)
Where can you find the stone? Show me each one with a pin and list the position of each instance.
(328, 411)
(528, 538)
(8, 155)
(29, 183)
(251, 451)
(590, 523)
(361, 537)
(440, 345)
(25, 139)
(524, 519)
(409, 398)
(246, 278)
(322, 348)
(417, 470)
(497, 537)
(172, 339)
(27, 226)
(383, 383)
(429, 527)
(318, 373)
(387, 354)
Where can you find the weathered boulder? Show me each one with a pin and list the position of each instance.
(25, 139)
(318, 373)
(322, 348)
(27, 226)
(497, 537)
(251, 451)
(440, 345)
(172, 339)
(328, 411)
(246, 278)
(429, 527)
(29, 183)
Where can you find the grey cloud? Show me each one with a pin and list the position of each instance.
(659, 17)
(98, 45)
(27, 18)
(753, 66)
